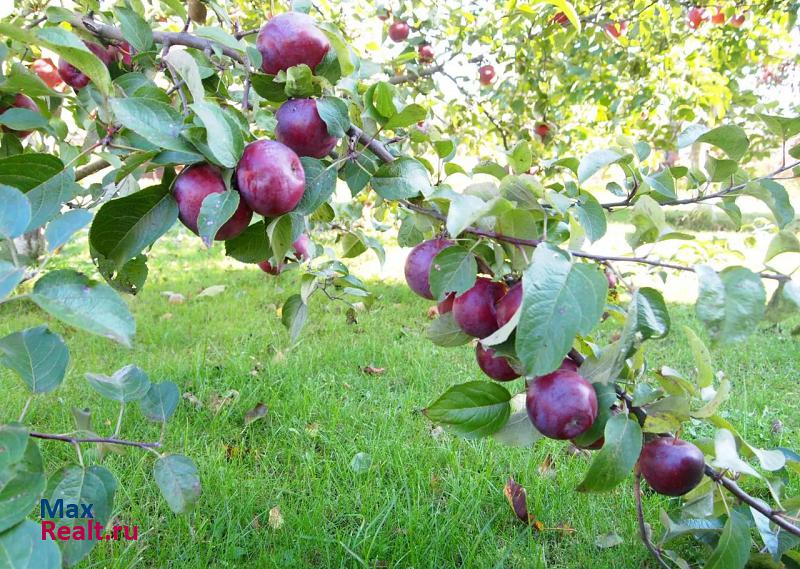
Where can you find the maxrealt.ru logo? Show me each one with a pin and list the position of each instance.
(78, 531)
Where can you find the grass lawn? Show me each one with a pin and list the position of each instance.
(426, 500)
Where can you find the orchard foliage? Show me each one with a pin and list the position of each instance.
(249, 121)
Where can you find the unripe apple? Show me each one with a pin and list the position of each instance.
(509, 304)
(561, 405)
(696, 17)
(561, 19)
(47, 72)
(398, 31)
(737, 21)
(446, 305)
(73, 76)
(20, 102)
(542, 130)
(486, 74)
(301, 128)
(426, 53)
(496, 367)
(270, 178)
(475, 312)
(718, 18)
(290, 39)
(418, 265)
(192, 186)
(671, 466)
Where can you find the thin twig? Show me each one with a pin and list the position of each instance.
(643, 533)
(76, 440)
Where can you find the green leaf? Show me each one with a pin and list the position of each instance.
(784, 303)
(38, 356)
(591, 216)
(465, 210)
(783, 242)
(186, 66)
(569, 10)
(333, 111)
(472, 410)
(733, 548)
(74, 299)
(294, 315)
(47, 198)
(160, 401)
(696, 527)
(606, 398)
(606, 368)
(179, 482)
(720, 170)
(652, 314)
(518, 430)
(10, 277)
(730, 303)
(282, 231)
(702, 358)
(26, 171)
(215, 211)
(410, 115)
(731, 139)
(612, 463)
(383, 99)
(341, 49)
(490, 168)
(224, 138)
(446, 333)
(320, 185)
(785, 127)
(662, 183)
(68, 46)
(595, 161)
(775, 197)
(524, 190)
(520, 158)
(129, 383)
(454, 269)
(299, 81)
(560, 299)
(15, 213)
(22, 119)
(21, 485)
(20, 80)
(135, 29)
(402, 178)
(13, 442)
(22, 547)
(157, 122)
(218, 35)
(75, 485)
(251, 246)
(267, 87)
(123, 227)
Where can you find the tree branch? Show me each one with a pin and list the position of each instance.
(91, 168)
(75, 440)
(643, 533)
(409, 77)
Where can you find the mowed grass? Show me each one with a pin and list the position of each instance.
(426, 500)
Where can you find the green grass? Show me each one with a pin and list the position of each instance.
(425, 501)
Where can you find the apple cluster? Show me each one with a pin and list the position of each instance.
(269, 176)
(561, 405)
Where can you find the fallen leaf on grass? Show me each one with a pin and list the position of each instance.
(546, 467)
(217, 401)
(174, 297)
(258, 412)
(166, 316)
(361, 462)
(606, 540)
(275, 518)
(518, 500)
(312, 429)
(211, 291)
(191, 398)
(436, 432)
(372, 370)
(433, 312)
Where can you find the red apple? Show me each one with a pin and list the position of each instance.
(290, 39)
(418, 265)
(267, 267)
(561, 405)
(672, 466)
(616, 29)
(301, 128)
(125, 53)
(718, 18)
(426, 53)
(737, 21)
(73, 76)
(496, 367)
(542, 130)
(20, 101)
(270, 178)
(192, 186)
(486, 74)
(509, 304)
(47, 72)
(302, 253)
(398, 31)
(446, 305)
(561, 19)
(696, 17)
(475, 312)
